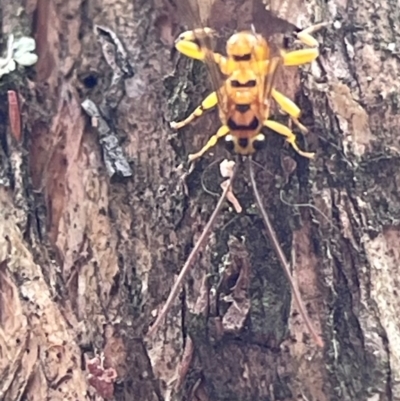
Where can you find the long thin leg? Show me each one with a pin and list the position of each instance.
(290, 137)
(223, 130)
(282, 258)
(190, 260)
(208, 103)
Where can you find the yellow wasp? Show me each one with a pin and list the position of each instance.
(244, 98)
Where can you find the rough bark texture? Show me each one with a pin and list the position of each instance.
(87, 259)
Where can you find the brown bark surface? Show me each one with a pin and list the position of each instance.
(96, 221)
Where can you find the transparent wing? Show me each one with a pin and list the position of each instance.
(268, 18)
(263, 17)
(274, 65)
(195, 14)
(228, 16)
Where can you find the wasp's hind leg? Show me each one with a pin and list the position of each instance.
(304, 56)
(290, 136)
(208, 103)
(289, 108)
(223, 131)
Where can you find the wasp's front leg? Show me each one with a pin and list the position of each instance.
(208, 103)
(190, 49)
(190, 43)
(305, 36)
(304, 56)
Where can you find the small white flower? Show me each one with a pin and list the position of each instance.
(26, 59)
(20, 52)
(6, 68)
(22, 49)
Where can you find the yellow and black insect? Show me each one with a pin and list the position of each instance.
(244, 82)
(244, 97)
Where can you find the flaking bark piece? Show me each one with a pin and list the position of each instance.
(14, 115)
(117, 58)
(103, 115)
(226, 169)
(114, 51)
(182, 368)
(114, 158)
(236, 315)
(102, 379)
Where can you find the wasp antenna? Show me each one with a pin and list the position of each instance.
(203, 184)
(282, 259)
(311, 206)
(199, 245)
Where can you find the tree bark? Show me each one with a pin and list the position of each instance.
(96, 220)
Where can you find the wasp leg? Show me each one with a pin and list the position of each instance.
(290, 108)
(304, 56)
(290, 137)
(299, 57)
(190, 49)
(208, 103)
(305, 36)
(223, 130)
(188, 45)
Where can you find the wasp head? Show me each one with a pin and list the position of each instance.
(247, 46)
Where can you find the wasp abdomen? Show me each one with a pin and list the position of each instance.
(253, 125)
(242, 108)
(249, 84)
(243, 142)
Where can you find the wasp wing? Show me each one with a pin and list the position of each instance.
(196, 16)
(269, 81)
(226, 17)
(270, 19)
(262, 18)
